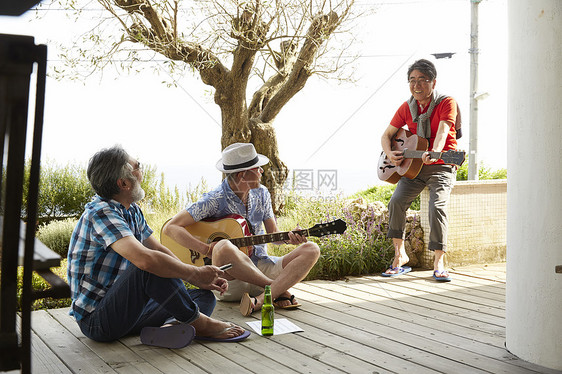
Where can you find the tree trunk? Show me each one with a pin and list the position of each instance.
(276, 172)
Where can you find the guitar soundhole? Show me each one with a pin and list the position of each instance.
(217, 236)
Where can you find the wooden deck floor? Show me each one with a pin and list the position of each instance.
(360, 325)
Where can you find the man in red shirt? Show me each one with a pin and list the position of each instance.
(431, 116)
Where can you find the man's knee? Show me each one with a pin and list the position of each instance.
(311, 249)
(224, 246)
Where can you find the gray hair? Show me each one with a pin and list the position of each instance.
(106, 167)
(425, 67)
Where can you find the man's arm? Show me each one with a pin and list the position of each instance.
(163, 265)
(386, 142)
(154, 244)
(439, 142)
(175, 229)
(441, 136)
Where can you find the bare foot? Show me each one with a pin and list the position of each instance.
(285, 300)
(210, 327)
(398, 261)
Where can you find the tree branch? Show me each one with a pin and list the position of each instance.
(322, 26)
(161, 37)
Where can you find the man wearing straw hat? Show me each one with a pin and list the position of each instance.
(242, 194)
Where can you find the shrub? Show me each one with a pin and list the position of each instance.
(39, 284)
(484, 173)
(382, 193)
(362, 249)
(56, 235)
(63, 191)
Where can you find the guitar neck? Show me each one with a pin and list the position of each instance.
(248, 241)
(418, 154)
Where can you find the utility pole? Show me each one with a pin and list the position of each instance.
(473, 145)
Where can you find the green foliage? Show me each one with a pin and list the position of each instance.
(484, 173)
(63, 191)
(39, 284)
(362, 249)
(382, 193)
(56, 235)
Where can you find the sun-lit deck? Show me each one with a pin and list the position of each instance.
(365, 324)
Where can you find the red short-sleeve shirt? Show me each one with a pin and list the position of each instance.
(446, 110)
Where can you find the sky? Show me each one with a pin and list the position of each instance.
(326, 129)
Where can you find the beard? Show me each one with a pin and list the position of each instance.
(138, 193)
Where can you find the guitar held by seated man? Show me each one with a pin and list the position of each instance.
(235, 228)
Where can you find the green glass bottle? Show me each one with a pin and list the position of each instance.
(267, 313)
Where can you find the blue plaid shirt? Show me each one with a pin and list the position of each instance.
(222, 201)
(92, 265)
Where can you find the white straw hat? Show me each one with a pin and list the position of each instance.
(239, 157)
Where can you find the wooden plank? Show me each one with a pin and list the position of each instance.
(115, 354)
(43, 257)
(318, 344)
(468, 339)
(428, 351)
(486, 285)
(441, 304)
(67, 347)
(403, 301)
(166, 360)
(453, 291)
(43, 360)
(388, 313)
(305, 356)
(439, 295)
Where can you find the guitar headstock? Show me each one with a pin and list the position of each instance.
(453, 157)
(337, 226)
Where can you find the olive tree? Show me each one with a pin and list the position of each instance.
(269, 47)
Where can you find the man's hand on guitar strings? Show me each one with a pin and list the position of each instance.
(296, 239)
(396, 157)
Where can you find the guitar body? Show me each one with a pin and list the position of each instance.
(208, 231)
(410, 167)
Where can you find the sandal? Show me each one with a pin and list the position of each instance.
(288, 307)
(246, 307)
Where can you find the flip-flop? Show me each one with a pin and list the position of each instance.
(174, 336)
(246, 307)
(441, 279)
(287, 307)
(401, 271)
(234, 339)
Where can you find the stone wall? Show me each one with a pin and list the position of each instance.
(477, 214)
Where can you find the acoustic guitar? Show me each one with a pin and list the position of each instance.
(413, 147)
(235, 228)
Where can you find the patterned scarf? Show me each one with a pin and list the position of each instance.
(424, 126)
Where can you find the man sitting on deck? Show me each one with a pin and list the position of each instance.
(241, 194)
(123, 281)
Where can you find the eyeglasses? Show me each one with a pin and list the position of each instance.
(139, 167)
(413, 82)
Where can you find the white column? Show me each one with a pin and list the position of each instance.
(534, 224)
